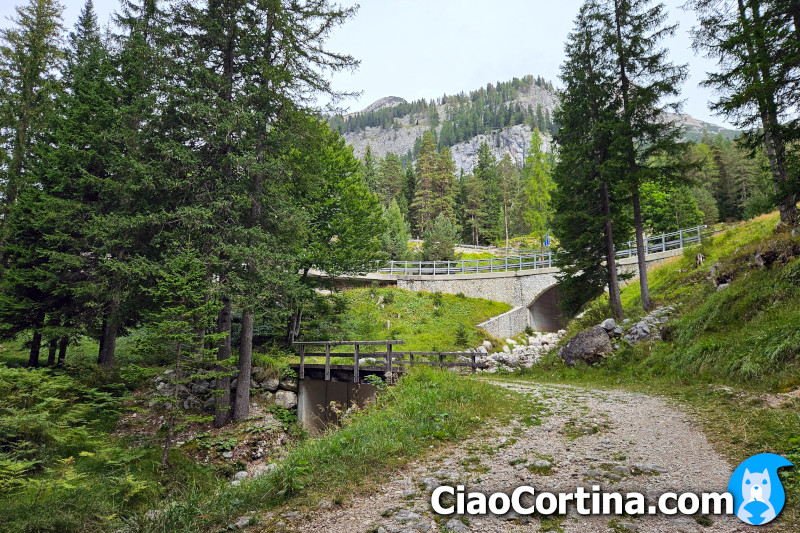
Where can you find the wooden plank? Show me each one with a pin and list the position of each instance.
(327, 363)
(355, 365)
(347, 343)
(437, 353)
(302, 373)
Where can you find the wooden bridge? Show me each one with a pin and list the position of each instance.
(393, 361)
(325, 390)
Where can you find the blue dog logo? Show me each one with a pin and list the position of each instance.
(758, 495)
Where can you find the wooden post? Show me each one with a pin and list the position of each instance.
(441, 360)
(472, 361)
(389, 363)
(327, 362)
(302, 361)
(355, 364)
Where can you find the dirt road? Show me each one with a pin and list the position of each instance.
(621, 441)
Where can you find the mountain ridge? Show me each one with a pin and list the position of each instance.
(523, 98)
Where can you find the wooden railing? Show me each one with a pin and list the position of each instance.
(393, 360)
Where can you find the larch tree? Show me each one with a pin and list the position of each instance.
(755, 43)
(425, 172)
(538, 185)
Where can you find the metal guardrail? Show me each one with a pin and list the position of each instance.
(653, 244)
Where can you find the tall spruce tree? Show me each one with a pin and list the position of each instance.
(646, 80)
(31, 57)
(588, 188)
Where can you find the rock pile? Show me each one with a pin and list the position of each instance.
(592, 345)
(515, 355)
(197, 395)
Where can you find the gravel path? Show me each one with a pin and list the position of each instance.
(622, 441)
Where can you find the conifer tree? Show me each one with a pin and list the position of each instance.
(588, 192)
(30, 59)
(391, 179)
(370, 170)
(397, 234)
(645, 80)
(427, 167)
(538, 186)
(755, 43)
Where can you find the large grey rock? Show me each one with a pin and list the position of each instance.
(608, 324)
(285, 398)
(589, 346)
(192, 404)
(289, 384)
(271, 384)
(456, 526)
(200, 388)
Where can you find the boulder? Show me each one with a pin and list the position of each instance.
(289, 384)
(200, 388)
(192, 404)
(608, 324)
(271, 384)
(254, 384)
(285, 398)
(589, 346)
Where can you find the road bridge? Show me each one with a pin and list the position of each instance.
(528, 282)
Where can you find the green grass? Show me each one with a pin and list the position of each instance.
(428, 407)
(424, 321)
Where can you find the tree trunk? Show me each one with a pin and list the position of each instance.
(36, 345)
(168, 438)
(108, 341)
(103, 327)
(222, 412)
(51, 354)
(647, 303)
(505, 222)
(242, 405)
(62, 351)
(293, 328)
(611, 264)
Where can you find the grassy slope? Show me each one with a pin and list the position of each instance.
(426, 322)
(731, 350)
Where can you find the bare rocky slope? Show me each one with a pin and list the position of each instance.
(512, 140)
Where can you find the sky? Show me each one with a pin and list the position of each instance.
(425, 48)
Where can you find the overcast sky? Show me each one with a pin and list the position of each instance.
(425, 48)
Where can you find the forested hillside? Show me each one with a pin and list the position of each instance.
(502, 114)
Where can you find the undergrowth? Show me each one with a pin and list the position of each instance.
(426, 408)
